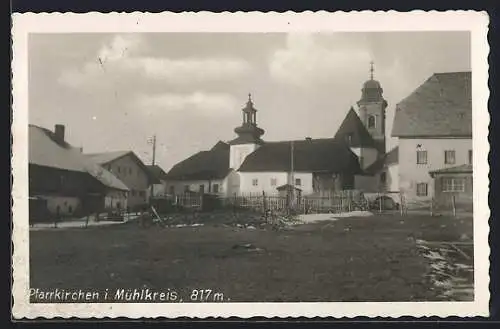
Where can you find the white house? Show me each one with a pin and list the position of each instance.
(434, 128)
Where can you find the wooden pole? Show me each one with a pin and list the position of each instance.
(453, 205)
(401, 203)
(379, 203)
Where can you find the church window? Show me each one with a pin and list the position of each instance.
(372, 122)
(421, 157)
(383, 177)
(255, 182)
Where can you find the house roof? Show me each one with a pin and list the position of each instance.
(108, 157)
(157, 171)
(391, 157)
(45, 150)
(212, 164)
(462, 169)
(441, 106)
(352, 126)
(314, 155)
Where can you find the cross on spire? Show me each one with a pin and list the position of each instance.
(371, 70)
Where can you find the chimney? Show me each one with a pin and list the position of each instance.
(59, 132)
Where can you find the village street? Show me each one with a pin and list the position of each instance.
(370, 258)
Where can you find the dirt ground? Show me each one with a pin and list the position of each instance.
(351, 259)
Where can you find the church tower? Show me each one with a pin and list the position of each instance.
(372, 107)
(249, 136)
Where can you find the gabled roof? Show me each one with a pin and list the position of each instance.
(157, 171)
(462, 169)
(392, 157)
(314, 155)
(440, 107)
(212, 164)
(45, 150)
(352, 126)
(108, 157)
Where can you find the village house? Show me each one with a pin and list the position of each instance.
(63, 182)
(205, 172)
(127, 167)
(434, 130)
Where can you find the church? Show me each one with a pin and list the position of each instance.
(353, 158)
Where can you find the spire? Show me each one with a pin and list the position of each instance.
(371, 70)
(248, 131)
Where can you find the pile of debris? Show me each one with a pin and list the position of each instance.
(451, 269)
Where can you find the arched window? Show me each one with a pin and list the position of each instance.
(371, 121)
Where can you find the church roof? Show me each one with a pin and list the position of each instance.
(441, 106)
(352, 126)
(314, 155)
(212, 164)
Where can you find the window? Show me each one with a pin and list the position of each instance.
(422, 189)
(383, 178)
(298, 181)
(215, 188)
(453, 184)
(348, 138)
(421, 157)
(172, 189)
(133, 192)
(449, 157)
(202, 188)
(470, 156)
(70, 209)
(274, 181)
(255, 182)
(372, 123)
(186, 188)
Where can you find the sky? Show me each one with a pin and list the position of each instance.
(115, 91)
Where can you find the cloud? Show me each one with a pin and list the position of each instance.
(197, 103)
(308, 59)
(120, 59)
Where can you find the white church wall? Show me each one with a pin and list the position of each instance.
(265, 182)
(393, 178)
(238, 153)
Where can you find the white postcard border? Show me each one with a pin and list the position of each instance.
(475, 22)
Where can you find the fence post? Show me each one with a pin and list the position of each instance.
(432, 207)
(453, 205)
(401, 203)
(264, 206)
(379, 203)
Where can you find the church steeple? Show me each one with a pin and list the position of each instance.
(372, 107)
(248, 132)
